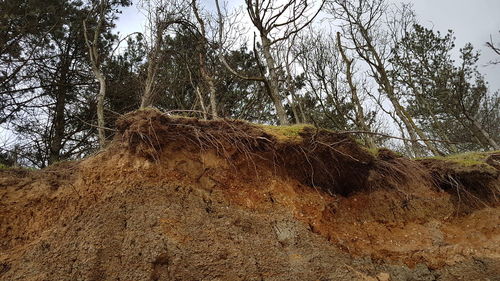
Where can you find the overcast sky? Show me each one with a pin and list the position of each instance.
(471, 20)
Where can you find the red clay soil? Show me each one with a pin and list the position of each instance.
(183, 199)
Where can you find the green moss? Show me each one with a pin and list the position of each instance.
(7, 167)
(467, 159)
(286, 133)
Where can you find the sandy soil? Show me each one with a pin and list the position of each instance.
(193, 214)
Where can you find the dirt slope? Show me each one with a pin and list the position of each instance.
(183, 199)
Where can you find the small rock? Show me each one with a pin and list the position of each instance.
(383, 276)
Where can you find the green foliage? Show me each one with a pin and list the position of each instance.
(48, 93)
(447, 98)
(47, 90)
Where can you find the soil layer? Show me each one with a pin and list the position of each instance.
(183, 199)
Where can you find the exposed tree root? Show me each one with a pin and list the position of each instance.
(323, 159)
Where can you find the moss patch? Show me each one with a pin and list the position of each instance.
(286, 133)
(467, 159)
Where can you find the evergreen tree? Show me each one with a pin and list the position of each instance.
(448, 99)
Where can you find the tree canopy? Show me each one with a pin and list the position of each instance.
(66, 75)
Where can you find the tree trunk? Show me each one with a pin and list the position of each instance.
(302, 114)
(58, 122)
(202, 103)
(360, 115)
(291, 90)
(207, 77)
(93, 51)
(273, 81)
(295, 104)
(435, 122)
(154, 56)
(410, 125)
(100, 107)
(483, 133)
(209, 81)
(386, 84)
(148, 94)
(213, 101)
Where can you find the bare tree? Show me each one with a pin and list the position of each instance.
(360, 115)
(288, 54)
(362, 28)
(277, 22)
(160, 16)
(322, 68)
(204, 44)
(495, 48)
(95, 62)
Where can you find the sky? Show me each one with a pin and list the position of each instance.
(472, 21)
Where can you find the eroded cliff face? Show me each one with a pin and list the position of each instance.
(183, 199)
